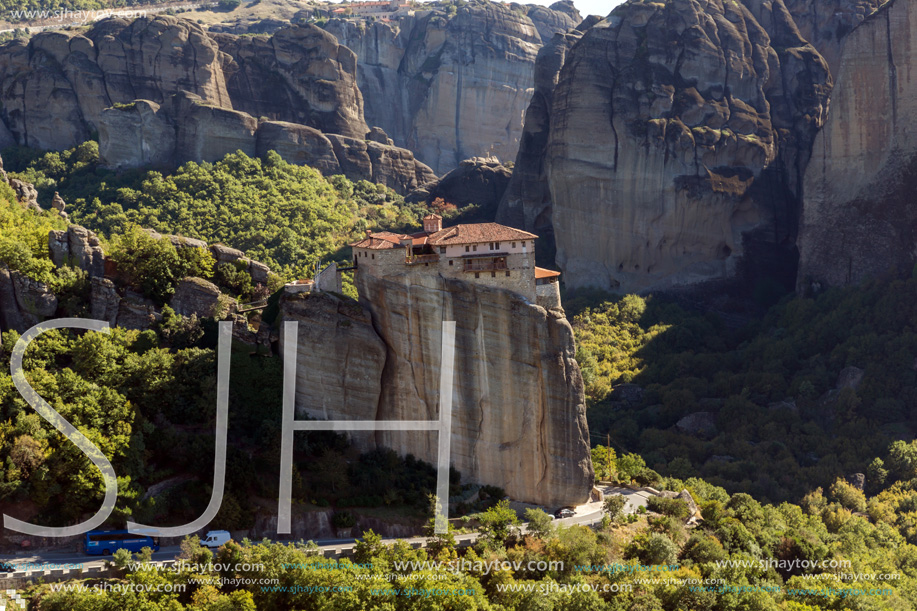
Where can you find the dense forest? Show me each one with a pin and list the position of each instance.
(783, 411)
(777, 417)
(284, 215)
(823, 554)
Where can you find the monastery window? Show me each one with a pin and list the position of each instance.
(442, 250)
(374, 255)
(477, 274)
(497, 246)
(523, 245)
(493, 274)
(514, 245)
(507, 273)
(475, 248)
(450, 261)
(467, 248)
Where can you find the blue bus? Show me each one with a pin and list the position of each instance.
(107, 542)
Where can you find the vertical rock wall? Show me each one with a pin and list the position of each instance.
(858, 219)
(519, 416)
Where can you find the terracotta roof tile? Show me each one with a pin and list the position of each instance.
(477, 233)
(541, 272)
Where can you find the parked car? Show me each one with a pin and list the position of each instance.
(215, 538)
(565, 512)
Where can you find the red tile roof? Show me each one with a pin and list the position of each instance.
(382, 240)
(477, 233)
(541, 272)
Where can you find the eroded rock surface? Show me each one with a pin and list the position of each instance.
(858, 219)
(673, 147)
(451, 88)
(518, 406)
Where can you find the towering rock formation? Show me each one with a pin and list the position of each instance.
(527, 201)
(300, 75)
(858, 218)
(451, 88)
(187, 129)
(518, 418)
(672, 149)
(54, 87)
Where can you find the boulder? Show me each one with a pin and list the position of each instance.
(259, 272)
(137, 312)
(857, 480)
(10, 315)
(196, 296)
(225, 254)
(377, 134)
(34, 298)
(77, 247)
(104, 300)
(26, 193)
(702, 424)
(629, 393)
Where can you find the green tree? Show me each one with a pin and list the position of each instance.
(540, 523)
(497, 524)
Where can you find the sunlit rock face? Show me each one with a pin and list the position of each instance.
(673, 148)
(518, 409)
(450, 88)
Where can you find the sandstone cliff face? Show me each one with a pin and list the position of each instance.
(188, 129)
(527, 200)
(674, 147)
(451, 88)
(677, 138)
(858, 221)
(518, 407)
(54, 87)
(300, 74)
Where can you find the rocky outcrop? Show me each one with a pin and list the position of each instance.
(196, 297)
(26, 193)
(24, 302)
(77, 247)
(54, 87)
(339, 356)
(858, 221)
(481, 181)
(529, 437)
(136, 135)
(673, 148)
(142, 133)
(300, 74)
(449, 88)
(560, 17)
(689, 161)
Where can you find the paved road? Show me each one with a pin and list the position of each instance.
(590, 513)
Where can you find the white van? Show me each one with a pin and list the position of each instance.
(215, 538)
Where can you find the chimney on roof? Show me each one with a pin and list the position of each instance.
(432, 223)
(369, 232)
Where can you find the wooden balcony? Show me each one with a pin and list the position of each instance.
(485, 264)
